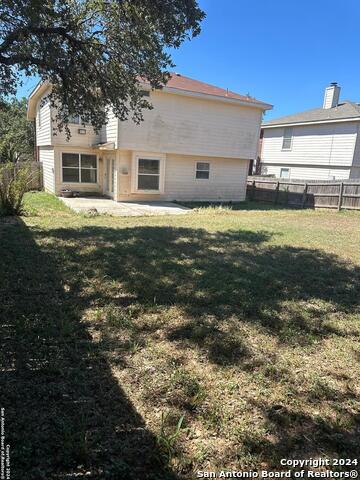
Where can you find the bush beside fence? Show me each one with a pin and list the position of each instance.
(337, 195)
(15, 180)
(35, 176)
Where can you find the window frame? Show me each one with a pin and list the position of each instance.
(285, 138)
(135, 173)
(80, 124)
(284, 168)
(80, 168)
(75, 123)
(197, 170)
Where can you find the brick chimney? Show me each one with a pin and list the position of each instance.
(331, 97)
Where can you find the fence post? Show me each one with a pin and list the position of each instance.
(340, 195)
(277, 192)
(304, 198)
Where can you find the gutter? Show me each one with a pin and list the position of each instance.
(314, 122)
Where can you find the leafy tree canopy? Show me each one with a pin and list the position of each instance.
(16, 133)
(93, 52)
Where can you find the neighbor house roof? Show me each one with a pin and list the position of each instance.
(345, 111)
(176, 84)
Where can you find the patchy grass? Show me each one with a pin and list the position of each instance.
(44, 205)
(154, 347)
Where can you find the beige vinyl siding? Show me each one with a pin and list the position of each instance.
(227, 179)
(339, 173)
(183, 129)
(316, 145)
(43, 130)
(78, 187)
(306, 172)
(194, 126)
(109, 132)
(88, 139)
(46, 157)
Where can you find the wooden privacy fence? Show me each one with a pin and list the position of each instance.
(34, 179)
(35, 176)
(306, 194)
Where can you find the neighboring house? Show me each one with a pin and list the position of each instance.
(195, 144)
(320, 144)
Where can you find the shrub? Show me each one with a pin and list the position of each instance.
(13, 184)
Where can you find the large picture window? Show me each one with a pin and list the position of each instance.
(79, 168)
(148, 174)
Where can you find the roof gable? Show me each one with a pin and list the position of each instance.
(38, 92)
(344, 111)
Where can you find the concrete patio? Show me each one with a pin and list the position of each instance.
(123, 209)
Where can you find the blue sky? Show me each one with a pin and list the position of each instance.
(282, 52)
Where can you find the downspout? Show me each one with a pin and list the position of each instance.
(259, 155)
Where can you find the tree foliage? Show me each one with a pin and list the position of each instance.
(93, 52)
(16, 133)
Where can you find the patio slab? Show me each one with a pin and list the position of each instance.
(124, 209)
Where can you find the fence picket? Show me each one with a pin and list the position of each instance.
(35, 174)
(337, 195)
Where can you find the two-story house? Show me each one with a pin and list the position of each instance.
(318, 144)
(196, 144)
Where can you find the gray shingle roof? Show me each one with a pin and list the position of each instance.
(344, 110)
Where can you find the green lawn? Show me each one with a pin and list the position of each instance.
(150, 348)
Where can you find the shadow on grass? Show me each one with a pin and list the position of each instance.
(302, 435)
(67, 413)
(66, 416)
(214, 277)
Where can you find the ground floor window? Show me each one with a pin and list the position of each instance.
(148, 174)
(79, 168)
(285, 173)
(202, 170)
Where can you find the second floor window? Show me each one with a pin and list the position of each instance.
(75, 119)
(287, 139)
